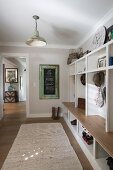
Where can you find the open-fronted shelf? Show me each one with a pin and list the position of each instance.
(80, 131)
(80, 84)
(96, 60)
(96, 103)
(81, 66)
(97, 117)
(96, 126)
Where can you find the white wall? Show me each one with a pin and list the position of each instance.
(43, 56)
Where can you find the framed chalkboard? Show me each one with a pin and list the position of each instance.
(48, 81)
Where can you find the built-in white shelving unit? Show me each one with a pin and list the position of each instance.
(90, 64)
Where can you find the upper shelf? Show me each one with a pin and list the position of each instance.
(97, 60)
(95, 125)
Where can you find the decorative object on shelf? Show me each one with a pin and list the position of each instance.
(81, 53)
(48, 81)
(101, 62)
(110, 61)
(83, 79)
(86, 52)
(109, 33)
(76, 55)
(11, 75)
(99, 78)
(36, 40)
(11, 87)
(99, 38)
(72, 57)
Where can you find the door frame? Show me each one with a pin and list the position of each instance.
(25, 55)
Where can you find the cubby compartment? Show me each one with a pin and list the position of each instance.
(80, 87)
(85, 142)
(81, 66)
(73, 122)
(96, 60)
(100, 156)
(96, 96)
(66, 115)
(72, 88)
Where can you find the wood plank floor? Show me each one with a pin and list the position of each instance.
(14, 116)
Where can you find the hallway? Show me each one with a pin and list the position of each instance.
(9, 127)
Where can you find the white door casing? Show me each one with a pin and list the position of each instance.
(1, 88)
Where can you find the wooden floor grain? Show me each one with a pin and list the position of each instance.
(14, 116)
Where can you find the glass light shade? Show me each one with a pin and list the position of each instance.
(39, 41)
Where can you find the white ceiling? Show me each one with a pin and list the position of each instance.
(62, 23)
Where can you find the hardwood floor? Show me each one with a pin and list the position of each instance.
(14, 116)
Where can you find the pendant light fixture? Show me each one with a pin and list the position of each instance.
(36, 40)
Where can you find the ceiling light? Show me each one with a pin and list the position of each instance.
(36, 40)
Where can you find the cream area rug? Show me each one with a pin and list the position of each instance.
(42, 146)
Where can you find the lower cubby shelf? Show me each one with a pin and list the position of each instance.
(80, 130)
(72, 127)
(101, 148)
(100, 156)
(99, 163)
(102, 163)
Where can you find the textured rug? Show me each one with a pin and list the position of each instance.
(41, 146)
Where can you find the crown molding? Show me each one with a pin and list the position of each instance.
(22, 44)
(100, 23)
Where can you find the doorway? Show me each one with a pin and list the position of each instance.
(15, 99)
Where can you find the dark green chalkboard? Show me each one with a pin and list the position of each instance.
(49, 81)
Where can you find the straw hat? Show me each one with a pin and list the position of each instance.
(99, 78)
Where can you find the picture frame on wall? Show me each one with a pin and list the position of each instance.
(48, 81)
(11, 75)
(101, 62)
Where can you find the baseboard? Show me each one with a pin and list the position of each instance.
(36, 115)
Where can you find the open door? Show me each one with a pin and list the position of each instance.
(1, 88)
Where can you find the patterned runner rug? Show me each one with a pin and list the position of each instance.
(41, 146)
